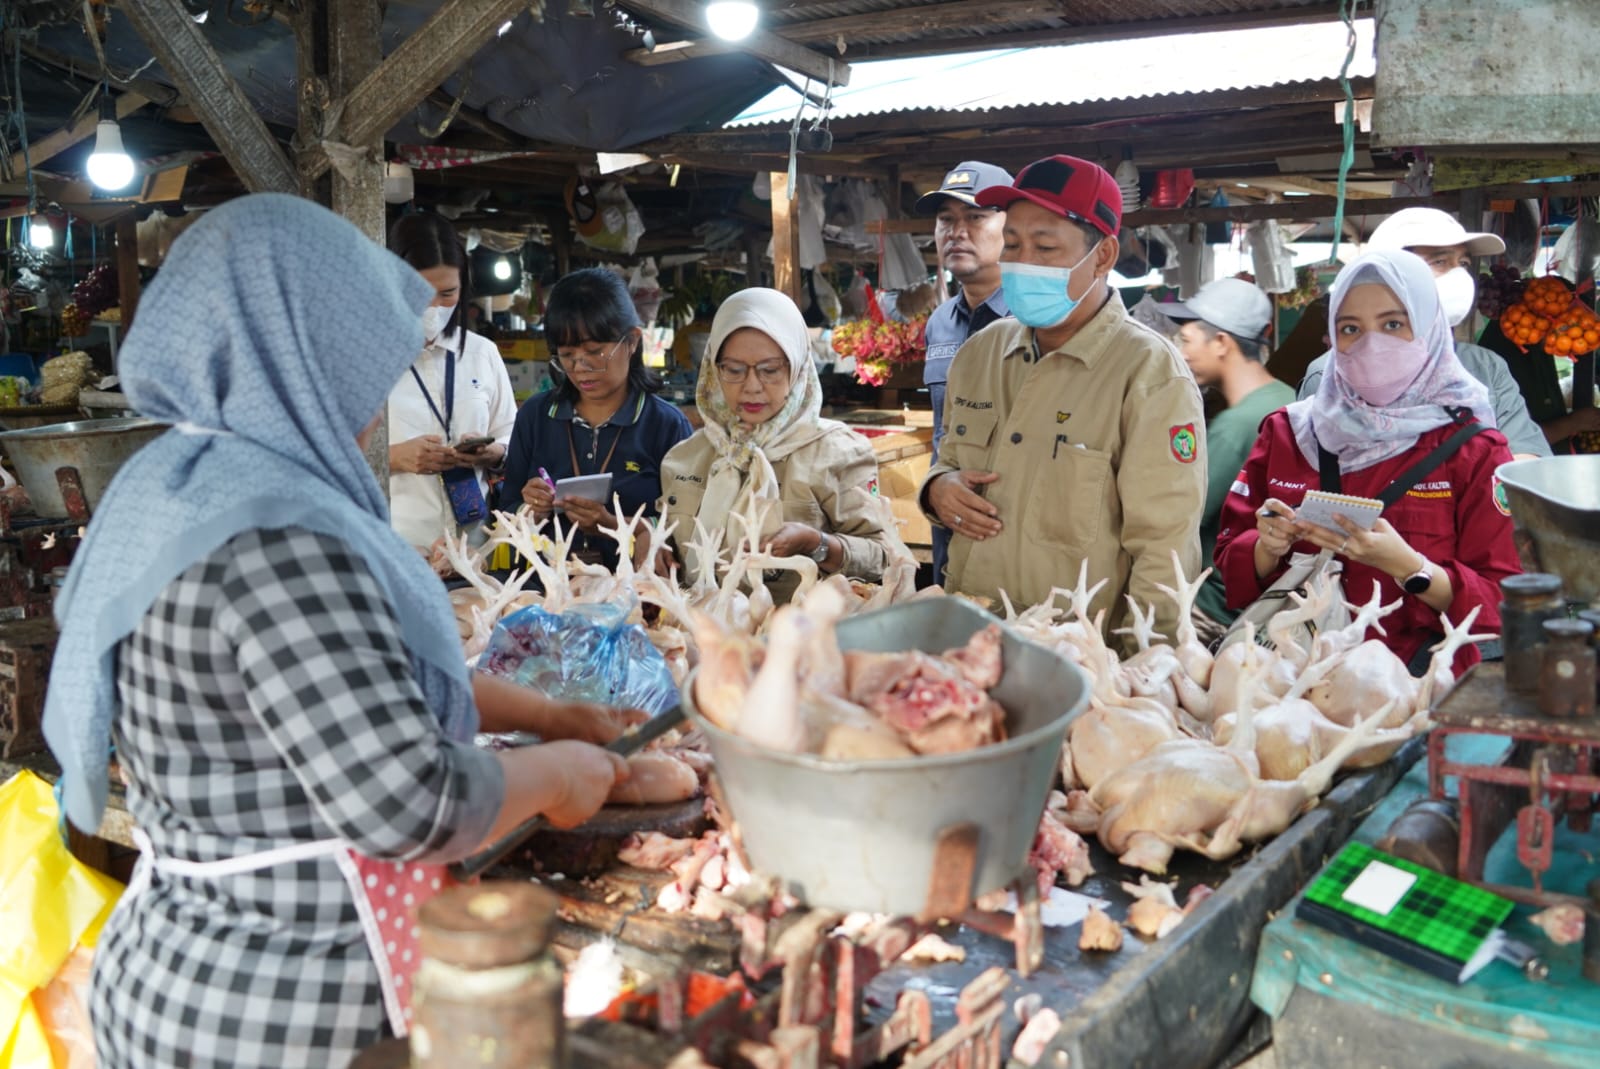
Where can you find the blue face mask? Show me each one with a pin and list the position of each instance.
(1041, 296)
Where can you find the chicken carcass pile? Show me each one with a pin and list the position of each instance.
(1182, 750)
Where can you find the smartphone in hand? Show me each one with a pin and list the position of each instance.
(474, 443)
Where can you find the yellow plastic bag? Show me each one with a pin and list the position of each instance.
(50, 904)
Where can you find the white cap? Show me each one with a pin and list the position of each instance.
(1229, 304)
(1412, 228)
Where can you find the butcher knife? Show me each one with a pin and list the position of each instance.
(625, 745)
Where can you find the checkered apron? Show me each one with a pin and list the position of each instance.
(387, 896)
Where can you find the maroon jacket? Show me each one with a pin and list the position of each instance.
(1452, 517)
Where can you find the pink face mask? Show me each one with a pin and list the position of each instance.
(1380, 367)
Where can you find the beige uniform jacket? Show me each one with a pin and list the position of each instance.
(1100, 450)
(830, 484)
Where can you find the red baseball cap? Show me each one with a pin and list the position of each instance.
(1067, 186)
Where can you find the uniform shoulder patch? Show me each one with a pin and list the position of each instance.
(632, 465)
(872, 486)
(1501, 501)
(1183, 443)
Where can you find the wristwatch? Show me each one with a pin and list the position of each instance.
(1420, 580)
(820, 554)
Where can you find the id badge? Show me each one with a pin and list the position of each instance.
(466, 496)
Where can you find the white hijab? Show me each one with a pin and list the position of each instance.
(743, 469)
(1360, 434)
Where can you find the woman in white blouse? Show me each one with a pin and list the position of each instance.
(454, 410)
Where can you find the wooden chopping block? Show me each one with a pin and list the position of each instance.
(591, 848)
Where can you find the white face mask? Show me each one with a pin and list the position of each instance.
(1458, 292)
(434, 318)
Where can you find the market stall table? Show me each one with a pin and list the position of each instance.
(1177, 1003)
(1336, 1003)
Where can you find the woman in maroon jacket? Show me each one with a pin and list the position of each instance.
(1395, 393)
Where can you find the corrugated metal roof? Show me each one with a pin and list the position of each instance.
(1075, 74)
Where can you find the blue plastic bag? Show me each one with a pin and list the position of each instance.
(585, 654)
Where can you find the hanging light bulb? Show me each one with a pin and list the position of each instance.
(732, 20)
(502, 269)
(40, 234)
(110, 166)
(1127, 176)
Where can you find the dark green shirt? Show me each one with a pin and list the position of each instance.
(1229, 437)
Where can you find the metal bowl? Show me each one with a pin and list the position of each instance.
(95, 447)
(1555, 505)
(866, 835)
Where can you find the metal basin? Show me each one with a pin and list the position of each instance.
(95, 447)
(866, 835)
(1555, 505)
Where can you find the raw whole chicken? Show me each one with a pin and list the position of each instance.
(1210, 799)
(656, 778)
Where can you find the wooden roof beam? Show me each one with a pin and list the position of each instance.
(456, 30)
(771, 47)
(1077, 35)
(183, 52)
(967, 15)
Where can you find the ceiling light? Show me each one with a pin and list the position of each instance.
(502, 269)
(110, 166)
(732, 20)
(40, 233)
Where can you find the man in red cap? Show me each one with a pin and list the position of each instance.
(1073, 433)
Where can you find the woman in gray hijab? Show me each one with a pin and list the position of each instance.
(280, 672)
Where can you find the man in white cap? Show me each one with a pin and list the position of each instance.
(967, 239)
(1448, 248)
(1223, 340)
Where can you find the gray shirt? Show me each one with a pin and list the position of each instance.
(1510, 411)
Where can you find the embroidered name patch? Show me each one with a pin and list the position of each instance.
(1185, 447)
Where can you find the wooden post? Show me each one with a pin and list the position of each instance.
(128, 269)
(754, 273)
(355, 49)
(785, 238)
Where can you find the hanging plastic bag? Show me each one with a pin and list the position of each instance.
(588, 653)
(50, 905)
(604, 216)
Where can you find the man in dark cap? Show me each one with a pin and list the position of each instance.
(967, 238)
(1076, 434)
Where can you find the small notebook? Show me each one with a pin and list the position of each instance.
(1423, 918)
(586, 487)
(1319, 508)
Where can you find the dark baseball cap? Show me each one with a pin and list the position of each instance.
(963, 183)
(1068, 187)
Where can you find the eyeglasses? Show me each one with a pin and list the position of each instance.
(766, 374)
(582, 361)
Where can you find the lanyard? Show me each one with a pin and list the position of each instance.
(449, 392)
(604, 464)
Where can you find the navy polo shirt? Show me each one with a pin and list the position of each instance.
(549, 432)
(949, 326)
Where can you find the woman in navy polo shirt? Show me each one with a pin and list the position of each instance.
(602, 416)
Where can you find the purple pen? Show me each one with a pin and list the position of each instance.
(551, 483)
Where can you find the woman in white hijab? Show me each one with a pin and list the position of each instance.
(1397, 416)
(764, 440)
